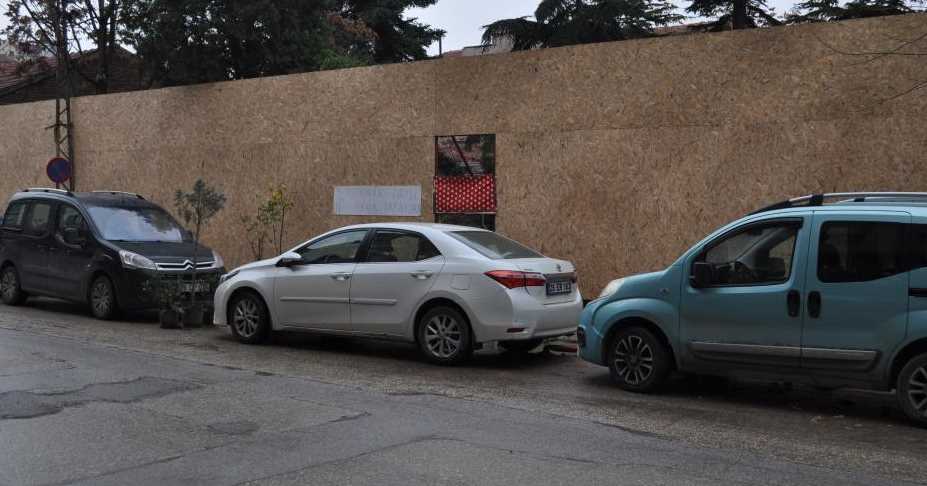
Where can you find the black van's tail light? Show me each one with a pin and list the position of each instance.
(512, 279)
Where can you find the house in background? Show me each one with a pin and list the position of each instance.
(499, 45)
(23, 81)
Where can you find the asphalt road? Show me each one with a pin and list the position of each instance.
(90, 402)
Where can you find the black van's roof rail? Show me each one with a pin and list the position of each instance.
(121, 193)
(49, 190)
(819, 199)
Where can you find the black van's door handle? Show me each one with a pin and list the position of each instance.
(794, 303)
(814, 304)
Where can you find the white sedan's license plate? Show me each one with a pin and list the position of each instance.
(559, 287)
(200, 287)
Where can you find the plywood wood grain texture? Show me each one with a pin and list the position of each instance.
(617, 156)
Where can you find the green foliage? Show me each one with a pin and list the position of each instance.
(194, 41)
(396, 38)
(567, 22)
(334, 60)
(734, 14)
(268, 224)
(832, 10)
(198, 206)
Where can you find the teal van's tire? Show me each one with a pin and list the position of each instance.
(638, 360)
(912, 389)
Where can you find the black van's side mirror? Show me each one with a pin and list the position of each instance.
(701, 275)
(74, 236)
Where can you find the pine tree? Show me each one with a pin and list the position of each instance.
(567, 22)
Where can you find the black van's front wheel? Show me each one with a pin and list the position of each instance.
(10, 290)
(103, 298)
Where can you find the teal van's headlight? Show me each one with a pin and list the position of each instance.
(612, 288)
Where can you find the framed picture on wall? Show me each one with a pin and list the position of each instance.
(465, 180)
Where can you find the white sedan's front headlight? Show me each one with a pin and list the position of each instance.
(134, 260)
(612, 287)
(227, 276)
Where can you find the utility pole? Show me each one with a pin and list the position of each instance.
(63, 128)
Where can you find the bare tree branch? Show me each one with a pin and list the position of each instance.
(896, 51)
(917, 86)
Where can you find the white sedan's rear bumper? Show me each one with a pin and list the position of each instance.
(530, 319)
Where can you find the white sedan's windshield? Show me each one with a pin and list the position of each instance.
(136, 224)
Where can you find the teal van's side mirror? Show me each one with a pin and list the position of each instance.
(701, 275)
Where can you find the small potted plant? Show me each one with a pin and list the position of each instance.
(266, 227)
(196, 208)
(171, 314)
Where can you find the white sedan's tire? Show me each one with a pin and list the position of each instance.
(444, 336)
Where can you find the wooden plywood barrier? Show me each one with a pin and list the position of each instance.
(616, 156)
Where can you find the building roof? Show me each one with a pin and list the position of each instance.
(14, 75)
(34, 80)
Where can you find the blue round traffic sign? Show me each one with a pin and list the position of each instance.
(58, 170)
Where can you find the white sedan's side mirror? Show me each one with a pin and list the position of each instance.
(290, 259)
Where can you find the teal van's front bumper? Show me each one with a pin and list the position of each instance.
(588, 337)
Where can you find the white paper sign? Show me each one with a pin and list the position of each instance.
(378, 200)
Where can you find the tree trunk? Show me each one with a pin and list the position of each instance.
(739, 15)
(280, 237)
(196, 249)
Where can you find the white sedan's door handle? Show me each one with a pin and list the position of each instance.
(341, 277)
(422, 274)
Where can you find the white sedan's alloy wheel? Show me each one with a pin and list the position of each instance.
(443, 336)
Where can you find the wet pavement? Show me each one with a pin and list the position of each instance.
(116, 402)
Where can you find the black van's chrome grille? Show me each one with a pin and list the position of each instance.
(185, 265)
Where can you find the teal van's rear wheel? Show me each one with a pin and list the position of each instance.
(638, 360)
(912, 389)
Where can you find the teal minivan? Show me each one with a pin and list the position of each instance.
(829, 290)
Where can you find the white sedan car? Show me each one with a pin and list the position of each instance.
(450, 289)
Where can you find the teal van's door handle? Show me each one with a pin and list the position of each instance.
(794, 303)
(814, 304)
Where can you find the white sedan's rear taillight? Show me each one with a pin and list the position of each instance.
(511, 279)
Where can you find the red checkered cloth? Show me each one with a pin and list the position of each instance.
(465, 194)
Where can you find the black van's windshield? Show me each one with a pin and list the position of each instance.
(143, 224)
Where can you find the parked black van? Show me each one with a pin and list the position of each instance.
(112, 250)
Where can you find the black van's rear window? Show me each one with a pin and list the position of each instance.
(14, 215)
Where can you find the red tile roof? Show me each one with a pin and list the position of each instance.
(14, 75)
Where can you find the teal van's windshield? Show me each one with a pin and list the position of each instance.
(142, 224)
